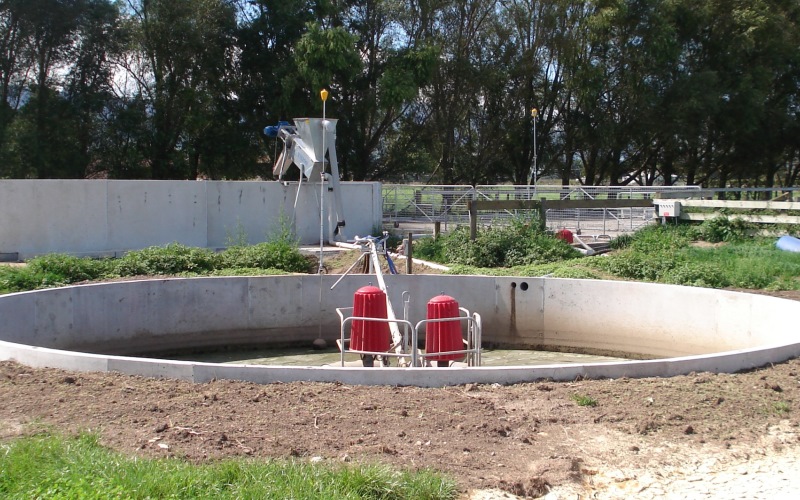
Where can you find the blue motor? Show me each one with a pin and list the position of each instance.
(272, 130)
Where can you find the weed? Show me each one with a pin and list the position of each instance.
(20, 279)
(621, 241)
(72, 269)
(429, 249)
(781, 407)
(239, 236)
(284, 231)
(55, 270)
(584, 400)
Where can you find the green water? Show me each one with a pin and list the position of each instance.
(311, 357)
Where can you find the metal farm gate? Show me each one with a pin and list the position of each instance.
(428, 204)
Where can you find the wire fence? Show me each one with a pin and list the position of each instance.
(424, 205)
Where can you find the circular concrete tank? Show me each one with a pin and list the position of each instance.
(100, 327)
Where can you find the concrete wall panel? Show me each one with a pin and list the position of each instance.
(98, 217)
(519, 314)
(363, 207)
(244, 209)
(42, 216)
(53, 323)
(598, 315)
(777, 322)
(103, 311)
(146, 213)
(17, 318)
(274, 302)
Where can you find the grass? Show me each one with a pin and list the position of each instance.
(665, 254)
(50, 466)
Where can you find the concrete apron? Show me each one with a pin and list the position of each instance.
(684, 329)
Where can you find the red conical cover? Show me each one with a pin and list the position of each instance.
(373, 336)
(446, 335)
(565, 235)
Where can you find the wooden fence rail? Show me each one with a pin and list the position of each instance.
(742, 205)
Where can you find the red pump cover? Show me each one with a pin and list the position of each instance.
(373, 336)
(443, 336)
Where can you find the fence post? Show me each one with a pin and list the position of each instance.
(473, 220)
(543, 214)
(408, 247)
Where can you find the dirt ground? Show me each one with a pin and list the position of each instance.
(524, 439)
(696, 436)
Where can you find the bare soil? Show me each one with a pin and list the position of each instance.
(620, 438)
(523, 439)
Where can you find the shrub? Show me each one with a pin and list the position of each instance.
(69, 268)
(20, 279)
(271, 255)
(723, 229)
(657, 239)
(170, 259)
(518, 244)
(429, 249)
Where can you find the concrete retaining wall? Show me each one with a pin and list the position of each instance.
(101, 217)
(696, 329)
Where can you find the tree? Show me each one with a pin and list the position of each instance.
(388, 69)
(88, 85)
(182, 51)
(453, 103)
(268, 88)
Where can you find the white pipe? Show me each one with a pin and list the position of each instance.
(588, 250)
(397, 337)
(425, 263)
(350, 246)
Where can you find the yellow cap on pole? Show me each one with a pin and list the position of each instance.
(324, 95)
(534, 112)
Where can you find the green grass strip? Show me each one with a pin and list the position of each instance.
(55, 467)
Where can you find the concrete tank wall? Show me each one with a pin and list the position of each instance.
(692, 326)
(105, 217)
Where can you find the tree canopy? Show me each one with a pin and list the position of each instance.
(441, 91)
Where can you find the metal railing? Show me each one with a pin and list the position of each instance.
(472, 343)
(427, 204)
